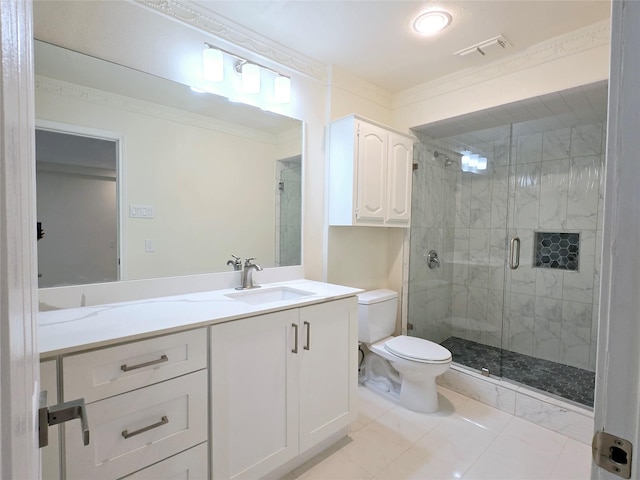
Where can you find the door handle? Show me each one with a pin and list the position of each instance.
(514, 253)
(306, 347)
(56, 414)
(295, 333)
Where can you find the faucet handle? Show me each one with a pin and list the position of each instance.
(236, 263)
(248, 261)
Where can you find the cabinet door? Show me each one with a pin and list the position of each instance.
(328, 369)
(371, 174)
(400, 168)
(254, 395)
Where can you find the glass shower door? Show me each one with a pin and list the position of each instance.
(460, 212)
(551, 299)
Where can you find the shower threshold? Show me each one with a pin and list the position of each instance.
(570, 383)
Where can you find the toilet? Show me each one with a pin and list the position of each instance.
(402, 367)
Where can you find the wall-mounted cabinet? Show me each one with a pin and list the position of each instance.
(369, 174)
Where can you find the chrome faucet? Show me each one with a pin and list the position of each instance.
(236, 263)
(247, 274)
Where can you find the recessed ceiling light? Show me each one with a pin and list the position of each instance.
(429, 23)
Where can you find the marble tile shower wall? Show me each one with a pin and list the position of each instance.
(555, 184)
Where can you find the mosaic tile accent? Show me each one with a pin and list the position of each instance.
(557, 250)
(570, 383)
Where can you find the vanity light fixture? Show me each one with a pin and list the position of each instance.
(472, 162)
(431, 22)
(251, 72)
(212, 64)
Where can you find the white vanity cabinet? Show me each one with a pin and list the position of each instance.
(146, 403)
(370, 174)
(280, 384)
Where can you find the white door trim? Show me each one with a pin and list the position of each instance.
(617, 401)
(19, 455)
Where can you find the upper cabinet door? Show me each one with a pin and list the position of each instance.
(400, 167)
(372, 173)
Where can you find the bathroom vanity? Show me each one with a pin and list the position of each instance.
(220, 384)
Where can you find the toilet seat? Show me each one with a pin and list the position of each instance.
(417, 349)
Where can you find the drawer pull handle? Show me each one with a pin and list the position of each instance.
(163, 421)
(126, 368)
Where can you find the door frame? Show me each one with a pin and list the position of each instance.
(19, 454)
(617, 402)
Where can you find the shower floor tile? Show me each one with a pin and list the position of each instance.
(568, 382)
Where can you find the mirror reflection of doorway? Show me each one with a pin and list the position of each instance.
(77, 208)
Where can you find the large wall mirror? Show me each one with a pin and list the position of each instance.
(140, 177)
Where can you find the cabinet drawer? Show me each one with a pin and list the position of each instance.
(191, 465)
(114, 370)
(139, 428)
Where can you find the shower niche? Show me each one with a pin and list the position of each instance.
(534, 321)
(557, 250)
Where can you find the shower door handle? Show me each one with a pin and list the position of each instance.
(514, 253)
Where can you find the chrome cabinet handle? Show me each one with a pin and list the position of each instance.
(126, 368)
(163, 421)
(514, 249)
(306, 347)
(295, 345)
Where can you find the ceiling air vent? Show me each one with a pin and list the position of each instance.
(483, 48)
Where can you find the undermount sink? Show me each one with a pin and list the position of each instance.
(267, 295)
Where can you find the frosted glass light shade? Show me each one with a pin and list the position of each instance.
(212, 65)
(251, 78)
(473, 160)
(482, 163)
(431, 22)
(282, 89)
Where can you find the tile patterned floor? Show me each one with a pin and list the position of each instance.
(465, 440)
(571, 383)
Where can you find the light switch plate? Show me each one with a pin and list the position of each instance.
(140, 211)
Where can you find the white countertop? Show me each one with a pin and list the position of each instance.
(74, 329)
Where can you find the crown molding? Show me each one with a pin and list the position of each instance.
(234, 34)
(59, 88)
(593, 36)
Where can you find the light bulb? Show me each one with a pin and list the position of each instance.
(212, 65)
(282, 89)
(251, 78)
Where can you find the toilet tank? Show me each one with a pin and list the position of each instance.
(377, 311)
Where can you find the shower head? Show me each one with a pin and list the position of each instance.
(447, 161)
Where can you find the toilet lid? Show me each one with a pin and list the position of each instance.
(413, 348)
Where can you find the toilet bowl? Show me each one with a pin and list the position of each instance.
(412, 364)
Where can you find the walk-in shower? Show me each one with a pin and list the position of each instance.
(518, 236)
